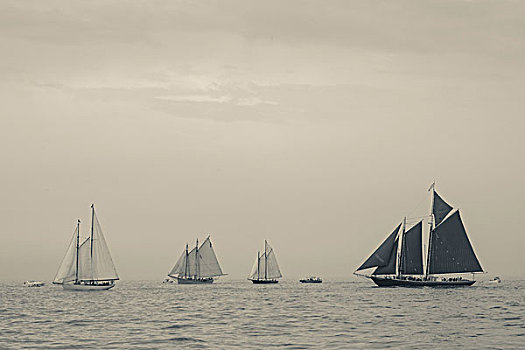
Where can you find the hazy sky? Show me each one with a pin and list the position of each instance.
(317, 125)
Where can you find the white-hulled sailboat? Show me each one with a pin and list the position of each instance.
(198, 266)
(265, 270)
(87, 265)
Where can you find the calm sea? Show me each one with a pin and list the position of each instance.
(237, 314)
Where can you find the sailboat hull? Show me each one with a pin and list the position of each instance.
(264, 281)
(87, 287)
(195, 281)
(395, 282)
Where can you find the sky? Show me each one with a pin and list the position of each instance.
(317, 125)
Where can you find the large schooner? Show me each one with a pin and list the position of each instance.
(198, 266)
(87, 264)
(265, 270)
(399, 259)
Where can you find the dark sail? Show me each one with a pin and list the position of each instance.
(390, 268)
(411, 262)
(440, 208)
(450, 249)
(382, 254)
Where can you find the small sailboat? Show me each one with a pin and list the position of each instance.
(265, 270)
(398, 261)
(87, 265)
(198, 266)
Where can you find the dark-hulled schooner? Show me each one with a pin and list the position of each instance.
(398, 261)
(265, 270)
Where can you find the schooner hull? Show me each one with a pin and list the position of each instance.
(194, 281)
(394, 282)
(87, 287)
(264, 281)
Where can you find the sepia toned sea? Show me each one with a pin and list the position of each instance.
(349, 314)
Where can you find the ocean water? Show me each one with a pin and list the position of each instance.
(289, 315)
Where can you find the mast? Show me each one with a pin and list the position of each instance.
(186, 262)
(92, 221)
(197, 272)
(401, 241)
(431, 224)
(258, 264)
(265, 262)
(78, 242)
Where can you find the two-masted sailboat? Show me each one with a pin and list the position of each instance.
(265, 270)
(87, 264)
(399, 259)
(198, 266)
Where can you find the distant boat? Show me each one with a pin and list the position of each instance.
(495, 280)
(87, 265)
(311, 279)
(198, 266)
(34, 284)
(265, 270)
(399, 259)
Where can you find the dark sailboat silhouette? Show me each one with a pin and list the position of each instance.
(398, 261)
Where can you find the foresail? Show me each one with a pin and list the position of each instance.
(440, 208)
(208, 264)
(450, 249)
(255, 270)
(68, 262)
(390, 267)
(411, 261)
(102, 264)
(381, 255)
(179, 269)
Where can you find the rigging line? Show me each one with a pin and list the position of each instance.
(418, 205)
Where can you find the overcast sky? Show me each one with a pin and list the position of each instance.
(317, 125)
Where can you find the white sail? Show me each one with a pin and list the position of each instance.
(254, 274)
(208, 263)
(180, 266)
(68, 263)
(102, 267)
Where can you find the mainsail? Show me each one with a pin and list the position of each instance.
(102, 265)
(411, 260)
(208, 264)
(381, 256)
(200, 262)
(450, 249)
(89, 259)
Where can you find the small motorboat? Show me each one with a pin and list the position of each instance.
(34, 283)
(311, 279)
(495, 280)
